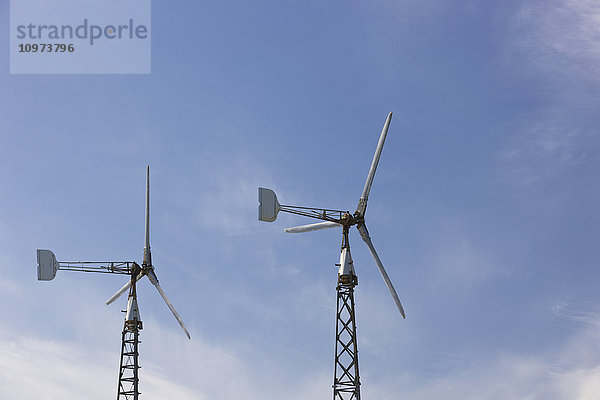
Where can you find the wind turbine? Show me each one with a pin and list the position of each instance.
(346, 381)
(129, 366)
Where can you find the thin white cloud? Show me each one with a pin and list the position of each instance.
(509, 376)
(8, 286)
(457, 264)
(571, 310)
(557, 45)
(35, 368)
(547, 144)
(560, 38)
(232, 208)
(223, 195)
(580, 384)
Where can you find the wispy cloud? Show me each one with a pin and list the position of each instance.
(560, 38)
(547, 143)
(8, 286)
(35, 368)
(557, 45)
(506, 376)
(457, 263)
(570, 372)
(222, 196)
(570, 310)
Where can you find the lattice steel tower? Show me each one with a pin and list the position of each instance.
(346, 379)
(128, 387)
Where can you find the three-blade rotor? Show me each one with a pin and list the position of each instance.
(147, 267)
(358, 218)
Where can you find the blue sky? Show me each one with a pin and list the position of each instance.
(484, 209)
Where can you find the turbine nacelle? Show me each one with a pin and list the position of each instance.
(346, 273)
(132, 317)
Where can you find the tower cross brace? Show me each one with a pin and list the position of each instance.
(346, 379)
(128, 387)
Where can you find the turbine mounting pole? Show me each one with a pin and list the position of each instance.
(128, 388)
(346, 379)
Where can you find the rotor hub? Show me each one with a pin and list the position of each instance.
(348, 219)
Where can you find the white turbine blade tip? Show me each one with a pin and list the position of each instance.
(154, 281)
(362, 204)
(364, 234)
(119, 293)
(312, 227)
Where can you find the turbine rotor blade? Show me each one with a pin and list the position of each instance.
(364, 234)
(154, 280)
(312, 227)
(123, 289)
(147, 256)
(362, 203)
